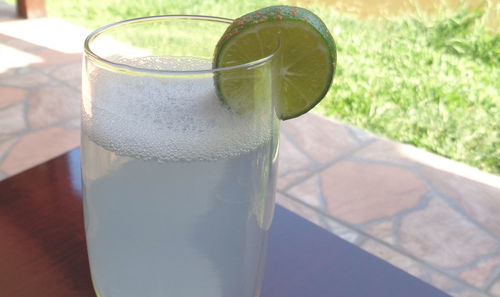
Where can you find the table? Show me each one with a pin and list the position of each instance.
(42, 247)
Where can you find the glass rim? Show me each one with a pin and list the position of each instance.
(120, 67)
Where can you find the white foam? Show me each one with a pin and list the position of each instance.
(167, 118)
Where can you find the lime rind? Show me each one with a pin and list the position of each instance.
(301, 90)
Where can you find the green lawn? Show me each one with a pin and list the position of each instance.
(429, 80)
(433, 82)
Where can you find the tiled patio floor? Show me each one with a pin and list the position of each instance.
(435, 218)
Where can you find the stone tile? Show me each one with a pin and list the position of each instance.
(26, 79)
(49, 143)
(3, 175)
(76, 83)
(441, 236)
(495, 288)
(360, 192)
(6, 73)
(293, 164)
(64, 37)
(11, 96)
(287, 179)
(4, 38)
(321, 138)
(68, 72)
(342, 231)
(309, 192)
(22, 45)
(6, 145)
(46, 68)
(318, 219)
(443, 282)
(12, 120)
(384, 150)
(51, 57)
(468, 293)
(479, 200)
(49, 105)
(403, 154)
(481, 272)
(394, 257)
(73, 124)
(299, 209)
(382, 231)
(360, 134)
(17, 58)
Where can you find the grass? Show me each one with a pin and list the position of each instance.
(429, 80)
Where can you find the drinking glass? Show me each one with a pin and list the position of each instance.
(178, 187)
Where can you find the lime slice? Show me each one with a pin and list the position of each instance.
(307, 57)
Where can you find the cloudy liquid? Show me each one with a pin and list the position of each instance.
(179, 193)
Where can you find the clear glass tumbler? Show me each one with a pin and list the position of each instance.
(178, 188)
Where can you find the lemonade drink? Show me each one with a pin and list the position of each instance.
(179, 153)
(178, 189)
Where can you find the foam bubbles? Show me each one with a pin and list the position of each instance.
(167, 118)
